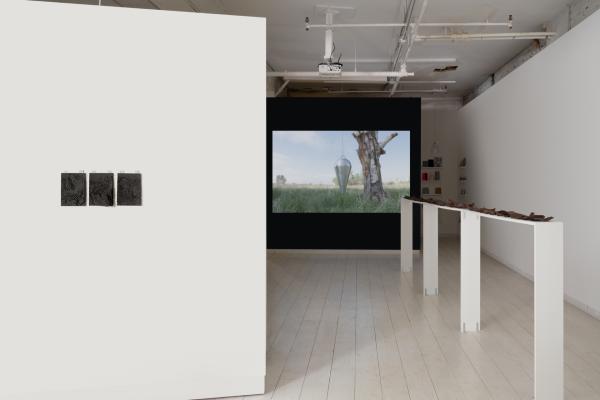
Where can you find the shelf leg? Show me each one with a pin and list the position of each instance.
(470, 271)
(548, 308)
(406, 235)
(430, 250)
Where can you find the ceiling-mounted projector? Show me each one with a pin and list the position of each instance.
(329, 69)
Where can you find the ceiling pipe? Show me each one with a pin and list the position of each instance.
(414, 33)
(404, 24)
(448, 60)
(441, 60)
(403, 37)
(414, 28)
(486, 36)
(350, 74)
(376, 80)
(371, 80)
(384, 91)
(408, 61)
(429, 82)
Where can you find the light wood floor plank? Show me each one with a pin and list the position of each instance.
(420, 385)
(316, 382)
(347, 326)
(393, 379)
(343, 372)
(368, 381)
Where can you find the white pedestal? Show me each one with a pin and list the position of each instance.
(430, 250)
(406, 235)
(470, 271)
(548, 311)
(548, 292)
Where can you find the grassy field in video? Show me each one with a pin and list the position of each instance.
(328, 199)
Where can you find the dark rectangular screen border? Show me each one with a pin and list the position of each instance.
(342, 231)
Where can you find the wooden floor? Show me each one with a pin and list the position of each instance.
(355, 327)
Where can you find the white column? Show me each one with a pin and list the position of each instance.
(430, 250)
(548, 309)
(406, 235)
(470, 271)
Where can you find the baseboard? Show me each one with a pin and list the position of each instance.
(574, 302)
(583, 307)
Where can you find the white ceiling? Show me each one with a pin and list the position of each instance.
(291, 48)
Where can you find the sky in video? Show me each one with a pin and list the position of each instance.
(309, 157)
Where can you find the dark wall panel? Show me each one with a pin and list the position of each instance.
(342, 231)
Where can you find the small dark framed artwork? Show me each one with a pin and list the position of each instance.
(129, 189)
(102, 189)
(73, 189)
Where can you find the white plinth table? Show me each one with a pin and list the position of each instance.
(548, 283)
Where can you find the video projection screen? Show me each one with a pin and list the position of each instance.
(337, 170)
(326, 171)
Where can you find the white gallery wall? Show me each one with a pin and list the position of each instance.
(162, 301)
(532, 144)
(440, 125)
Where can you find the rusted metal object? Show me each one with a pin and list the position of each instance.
(490, 211)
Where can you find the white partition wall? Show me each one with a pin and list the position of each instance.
(163, 301)
(560, 121)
